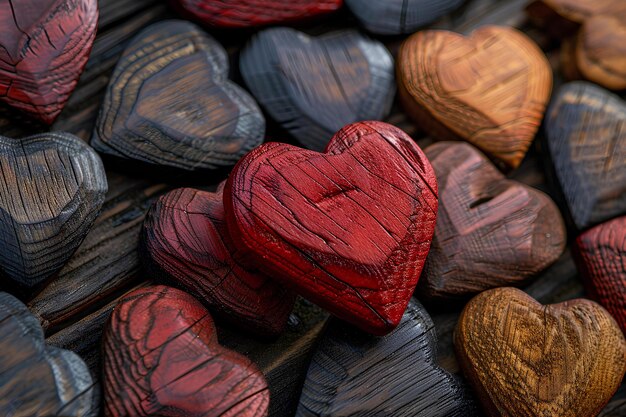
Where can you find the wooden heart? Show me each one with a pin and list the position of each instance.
(185, 242)
(490, 88)
(169, 102)
(482, 216)
(348, 376)
(44, 46)
(562, 17)
(525, 359)
(601, 257)
(349, 228)
(249, 13)
(162, 358)
(394, 17)
(51, 191)
(586, 131)
(315, 86)
(36, 379)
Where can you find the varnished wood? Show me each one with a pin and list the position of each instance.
(169, 102)
(315, 86)
(489, 88)
(525, 359)
(482, 216)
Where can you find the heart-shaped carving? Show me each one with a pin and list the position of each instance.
(482, 215)
(490, 88)
(315, 86)
(348, 378)
(586, 131)
(185, 242)
(349, 228)
(35, 379)
(601, 258)
(44, 46)
(162, 358)
(563, 16)
(51, 191)
(248, 13)
(393, 17)
(525, 359)
(169, 102)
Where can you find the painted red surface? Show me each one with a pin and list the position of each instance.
(162, 358)
(247, 13)
(349, 228)
(44, 46)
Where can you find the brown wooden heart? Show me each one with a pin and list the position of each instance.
(525, 359)
(490, 88)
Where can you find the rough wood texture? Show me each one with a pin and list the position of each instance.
(38, 380)
(394, 17)
(249, 13)
(586, 133)
(490, 88)
(601, 257)
(525, 359)
(355, 374)
(315, 86)
(51, 191)
(162, 357)
(491, 231)
(349, 228)
(169, 102)
(185, 243)
(44, 46)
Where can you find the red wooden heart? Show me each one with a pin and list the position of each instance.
(162, 358)
(185, 240)
(44, 46)
(349, 228)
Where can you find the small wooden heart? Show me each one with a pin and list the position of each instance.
(490, 88)
(355, 374)
(162, 358)
(185, 242)
(348, 228)
(525, 359)
(562, 17)
(601, 257)
(586, 131)
(44, 46)
(169, 102)
(490, 231)
(51, 191)
(36, 379)
(315, 86)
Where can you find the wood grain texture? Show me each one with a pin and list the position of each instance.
(185, 243)
(162, 357)
(528, 359)
(394, 17)
(44, 46)
(491, 231)
(586, 134)
(315, 86)
(250, 13)
(348, 229)
(355, 374)
(601, 257)
(169, 102)
(51, 191)
(490, 88)
(570, 14)
(37, 380)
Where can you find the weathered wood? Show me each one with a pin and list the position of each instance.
(315, 86)
(586, 135)
(526, 359)
(490, 88)
(162, 356)
(355, 374)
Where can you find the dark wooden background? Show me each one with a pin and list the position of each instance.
(74, 306)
